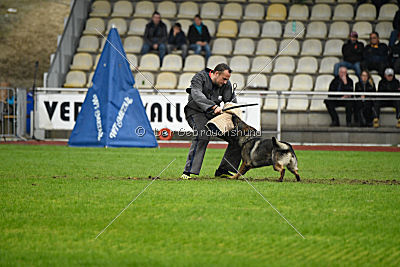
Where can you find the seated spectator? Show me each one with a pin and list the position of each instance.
(155, 36)
(396, 28)
(352, 52)
(388, 84)
(177, 40)
(341, 83)
(375, 55)
(363, 107)
(199, 37)
(395, 51)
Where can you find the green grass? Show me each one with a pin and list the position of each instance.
(55, 200)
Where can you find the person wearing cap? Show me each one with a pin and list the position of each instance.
(199, 37)
(388, 84)
(155, 36)
(177, 40)
(376, 55)
(352, 52)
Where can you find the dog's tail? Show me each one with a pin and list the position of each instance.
(280, 145)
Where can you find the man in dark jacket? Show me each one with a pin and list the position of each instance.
(389, 84)
(395, 52)
(396, 28)
(352, 52)
(363, 107)
(155, 36)
(199, 37)
(341, 83)
(209, 88)
(177, 40)
(375, 55)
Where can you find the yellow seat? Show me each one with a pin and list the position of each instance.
(122, 9)
(100, 9)
(227, 28)
(276, 12)
(118, 23)
(75, 79)
(149, 62)
(166, 80)
(94, 26)
(82, 61)
(88, 44)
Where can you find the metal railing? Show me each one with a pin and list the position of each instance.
(8, 116)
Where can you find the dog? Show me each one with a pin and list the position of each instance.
(258, 152)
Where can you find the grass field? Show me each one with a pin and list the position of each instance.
(55, 200)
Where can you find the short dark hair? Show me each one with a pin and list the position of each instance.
(197, 16)
(178, 25)
(156, 13)
(221, 67)
(376, 33)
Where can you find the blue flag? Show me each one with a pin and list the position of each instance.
(113, 114)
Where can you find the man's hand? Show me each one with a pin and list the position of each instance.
(155, 46)
(199, 42)
(217, 109)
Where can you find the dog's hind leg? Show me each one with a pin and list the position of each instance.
(279, 168)
(242, 170)
(295, 172)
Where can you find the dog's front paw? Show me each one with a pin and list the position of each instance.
(233, 177)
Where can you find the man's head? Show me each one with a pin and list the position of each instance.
(197, 20)
(342, 72)
(177, 27)
(221, 74)
(374, 38)
(389, 74)
(353, 36)
(156, 18)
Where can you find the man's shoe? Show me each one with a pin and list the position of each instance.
(185, 177)
(398, 123)
(222, 173)
(375, 123)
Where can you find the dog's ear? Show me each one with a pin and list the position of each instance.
(235, 119)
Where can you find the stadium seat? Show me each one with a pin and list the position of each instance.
(100, 9)
(327, 64)
(144, 80)
(307, 65)
(276, 12)
(257, 81)
(321, 12)
(387, 12)
(354, 78)
(280, 1)
(144, 9)
(88, 44)
(259, 1)
(289, 47)
(227, 28)
(325, 1)
(244, 46)
(384, 29)
(185, 23)
(89, 81)
(254, 12)
(267, 47)
(118, 23)
(133, 61)
(187, 10)
(215, 60)
(296, 104)
(339, 29)
(261, 64)
(75, 79)
(211, 26)
(133, 44)
(316, 29)
(249, 29)
(279, 82)
(166, 80)
(271, 29)
(317, 103)
(322, 82)
(167, 24)
(302, 82)
(172, 63)
(194, 63)
(94, 23)
(284, 65)
(333, 47)
(96, 61)
(271, 103)
(240, 64)
(298, 12)
(122, 9)
(376, 78)
(347, 1)
(343, 12)
(363, 28)
(149, 62)
(222, 46)
(82, 61)
(210, 10)
(232, 11)
(167, 9)
(185, 79)
(137, 27)
(366, 12)
(311, 47)
(238, 79)
(294, 29)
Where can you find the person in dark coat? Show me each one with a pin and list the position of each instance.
(364, 107)
(199, 37)
(389, 84)
(352, 52)
(177, 40)
(395, 52)
(155, 36)
(341, 83)
(375, 55)
(396, 28)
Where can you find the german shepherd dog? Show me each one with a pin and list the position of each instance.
(259, 152)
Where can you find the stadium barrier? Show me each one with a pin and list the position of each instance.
(8, 115)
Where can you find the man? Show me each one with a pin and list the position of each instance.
(208, 89)
(389, 84)
(199, 37)
(395, 51)
(155, 36)
(177, 40)
(352, 52)
(396, 28)
(375, 55)
(341, 83)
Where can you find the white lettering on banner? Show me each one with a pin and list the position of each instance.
(121, 114)
(97, 115)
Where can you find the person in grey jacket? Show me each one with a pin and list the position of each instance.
(208, 89)
(155, 36)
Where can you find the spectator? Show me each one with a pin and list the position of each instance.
(388, 84)
(352, 52)
(363, 108)
(177, 40)
(341, 83)
(395, 49)
(199, 37)
(375, 55)
(155, 36)
(396, 28)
